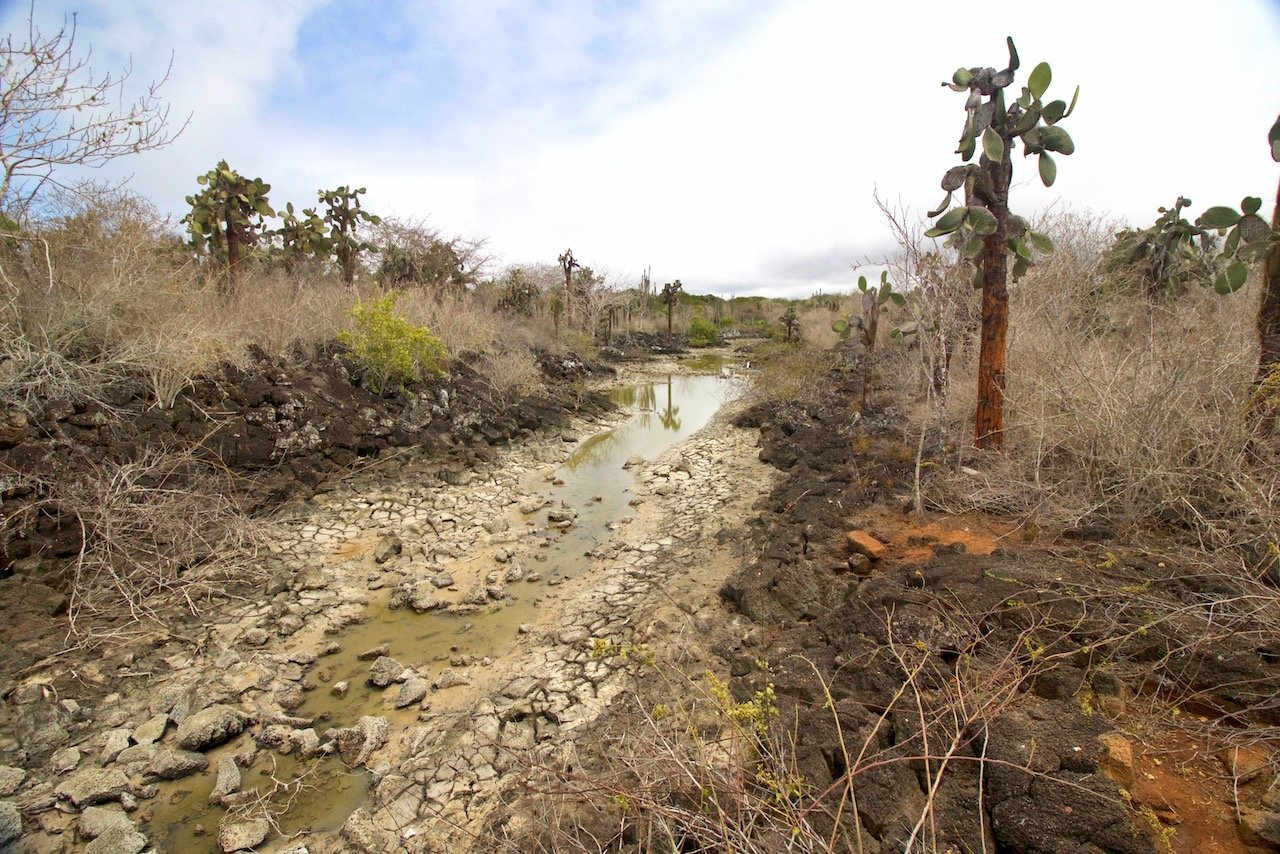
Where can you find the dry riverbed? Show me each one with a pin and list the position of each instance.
(421, 639)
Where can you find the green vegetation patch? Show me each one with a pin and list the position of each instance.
(390, 349)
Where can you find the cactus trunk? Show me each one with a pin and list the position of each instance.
(234, 239)
(988, 427)
(1264, 409)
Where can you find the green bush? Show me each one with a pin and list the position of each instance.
(391, 350)
(703, 333)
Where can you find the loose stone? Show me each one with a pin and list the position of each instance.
(210, 727)
(228, 779)
(93, 786)
(175, 764)
(243, 835)
(384, 671)
(10, 779)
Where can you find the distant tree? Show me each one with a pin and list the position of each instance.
(519, 294)
(567, 265)
(1163, 258)
(55, 113)
(868, 324)
(789, 321)
(671, 295)
(557, 312)
(414, 254)
(228, 215)
(345, 217)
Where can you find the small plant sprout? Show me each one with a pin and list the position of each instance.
(868, 324)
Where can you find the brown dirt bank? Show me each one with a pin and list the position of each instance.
(958, 684)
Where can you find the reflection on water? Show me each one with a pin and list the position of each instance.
(594, 481)
(677, 404)
(665, 411)
(710, 363)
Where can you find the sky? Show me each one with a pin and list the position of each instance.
(734, 144)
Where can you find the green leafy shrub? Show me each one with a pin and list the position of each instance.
(703, 333)
(389, 348)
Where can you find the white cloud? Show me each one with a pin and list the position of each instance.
(725, 143)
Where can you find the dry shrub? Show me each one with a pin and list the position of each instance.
(282, 314)
(687, 764)
(797, 375)
(815, 328)
(105, 296)
(464, 325)
(161, 531)
(512, 372)
(1120, 411)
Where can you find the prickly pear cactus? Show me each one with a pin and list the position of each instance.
(869, 322)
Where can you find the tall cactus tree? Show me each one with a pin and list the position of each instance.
(227, 215)
(567, 265)
(345, 216)
(671, 295)
(982, 228)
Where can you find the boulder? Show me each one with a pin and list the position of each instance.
(10, 823)
(170, 764)
(228, 779)
(561, 514)
(65, 760)
(387, 548)
(861, 542)
(95, 821)
(210, 727)
(449, 678)
(10, 779)
(356, 743)
(421, 595)
(412, 691)
(114, 741)
(242, 835)
(1260, 828)
(151, 730)
(93, 786)
(384, 671)
(117, 840)
(370, 654)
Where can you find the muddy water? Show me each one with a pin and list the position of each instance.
(593, 481)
